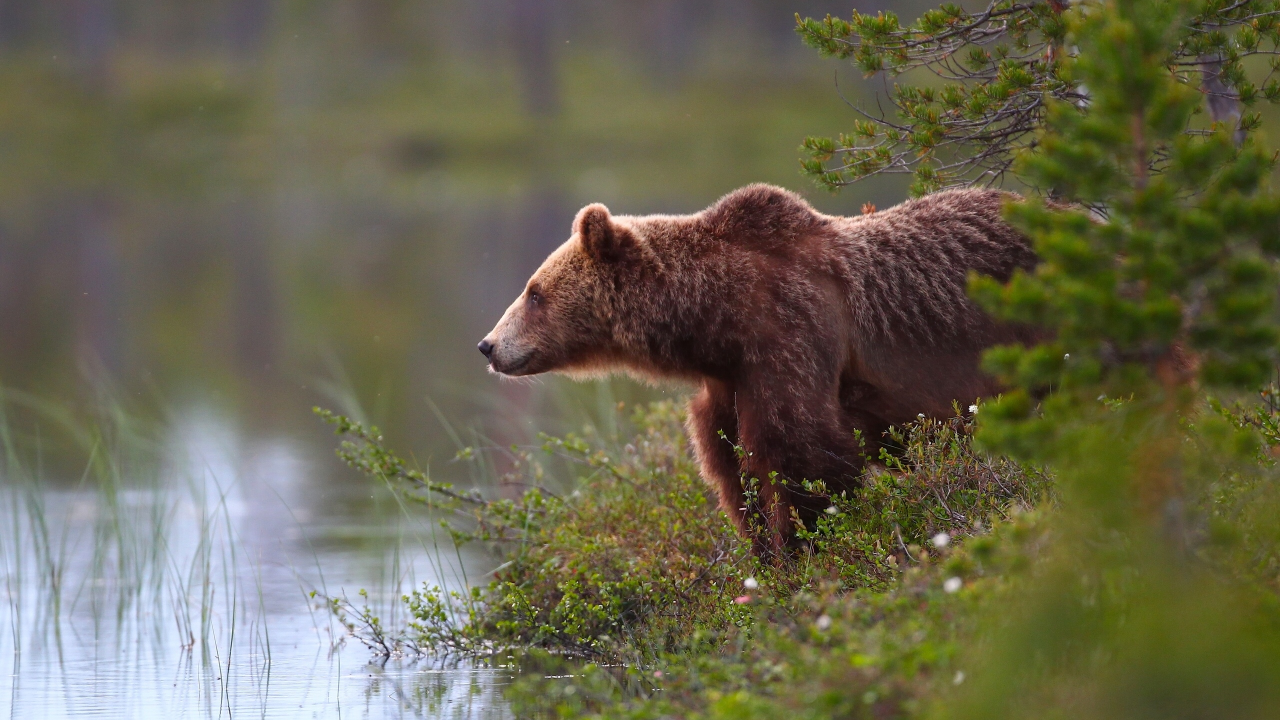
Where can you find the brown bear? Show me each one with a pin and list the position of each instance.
(798, 329)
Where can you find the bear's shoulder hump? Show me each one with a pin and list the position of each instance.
(758, 211)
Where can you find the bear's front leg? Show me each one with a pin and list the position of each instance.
(791, 433)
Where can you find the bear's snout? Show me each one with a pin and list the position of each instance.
(504, 356)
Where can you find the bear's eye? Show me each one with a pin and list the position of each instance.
(535, 297)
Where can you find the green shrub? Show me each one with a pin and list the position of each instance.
(934, 483)
(907, 645)
(636, 555)
(638, 560)
(825, 652)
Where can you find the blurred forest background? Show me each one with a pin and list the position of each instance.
(267, 204)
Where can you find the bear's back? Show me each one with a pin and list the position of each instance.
(907, 267)
(904, 269)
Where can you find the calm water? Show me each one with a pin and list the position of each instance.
(187, 594)
(214, 216)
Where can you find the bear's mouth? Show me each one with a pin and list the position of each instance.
(512, 369)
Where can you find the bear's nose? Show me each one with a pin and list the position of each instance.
(486, 347)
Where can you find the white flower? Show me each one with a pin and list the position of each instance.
(832, 510)
(750, 583)
(959, 678)
(953, 584)
(1064, 357)
(941, 540)
(920, 415)
(824, 622)
(973, 409)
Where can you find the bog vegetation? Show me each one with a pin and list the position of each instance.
(1102, 540)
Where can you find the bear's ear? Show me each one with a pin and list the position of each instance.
(601, 238)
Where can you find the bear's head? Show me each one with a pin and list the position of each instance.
(562, 321)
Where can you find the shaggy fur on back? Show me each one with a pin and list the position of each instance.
(798, 328)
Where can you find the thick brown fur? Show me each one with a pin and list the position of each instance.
(799, 328)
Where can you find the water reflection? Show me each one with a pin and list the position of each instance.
(185, 590)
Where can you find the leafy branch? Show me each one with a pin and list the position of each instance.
(364, 450)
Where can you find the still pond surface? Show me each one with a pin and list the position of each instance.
(188, 593)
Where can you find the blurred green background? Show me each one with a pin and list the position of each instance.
(264, 205)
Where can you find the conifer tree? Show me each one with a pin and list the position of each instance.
(983, 82)
(1168, 298)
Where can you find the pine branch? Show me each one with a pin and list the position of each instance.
(1002, 67)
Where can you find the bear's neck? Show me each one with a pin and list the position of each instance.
(671, 320)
